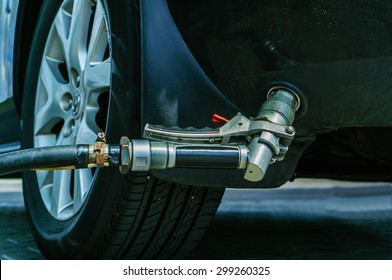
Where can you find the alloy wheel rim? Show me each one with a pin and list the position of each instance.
(72, 95)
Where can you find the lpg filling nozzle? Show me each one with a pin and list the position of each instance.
(241, 143)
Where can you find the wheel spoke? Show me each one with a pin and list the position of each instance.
(51, 77)
(98, 40)
(45, 183)
(62, 24)
(44, 178)
(97, 70)
(97, 77)
(61, 198)
(50, 114)
(47, 118)
(82, 183)
(87, 134)
(51, 109)
(78, 34)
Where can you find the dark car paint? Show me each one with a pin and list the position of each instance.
(9, 126)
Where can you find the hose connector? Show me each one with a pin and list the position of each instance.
(268, 147)
(98, 153)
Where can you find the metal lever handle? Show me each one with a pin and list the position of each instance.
(237, 126)
(179, 135)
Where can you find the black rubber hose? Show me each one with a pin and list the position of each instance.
(45, 157)
(51, 157)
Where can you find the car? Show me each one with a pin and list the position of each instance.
(303, 83)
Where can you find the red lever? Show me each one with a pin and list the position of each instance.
(219, 120)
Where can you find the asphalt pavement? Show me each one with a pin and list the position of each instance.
(16, 241)
(306, 219)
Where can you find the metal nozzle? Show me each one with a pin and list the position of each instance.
(279, 108)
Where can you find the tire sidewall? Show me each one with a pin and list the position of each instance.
(82, 235)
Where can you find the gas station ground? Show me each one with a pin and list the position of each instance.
(306, 219)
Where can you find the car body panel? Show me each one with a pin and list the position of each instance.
(8, 16)
(175, 90)
(9, 119)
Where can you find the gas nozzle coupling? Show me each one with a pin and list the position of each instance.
(267, 147)
(241, 143)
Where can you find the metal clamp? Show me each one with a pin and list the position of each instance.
(99, 152)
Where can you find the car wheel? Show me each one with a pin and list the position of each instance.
(83, 76)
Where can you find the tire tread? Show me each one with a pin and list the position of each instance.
(165, 224)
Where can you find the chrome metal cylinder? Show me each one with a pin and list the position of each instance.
(159, 155)
(141, 155)
(259, 159)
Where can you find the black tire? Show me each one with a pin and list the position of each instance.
(132, 216)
